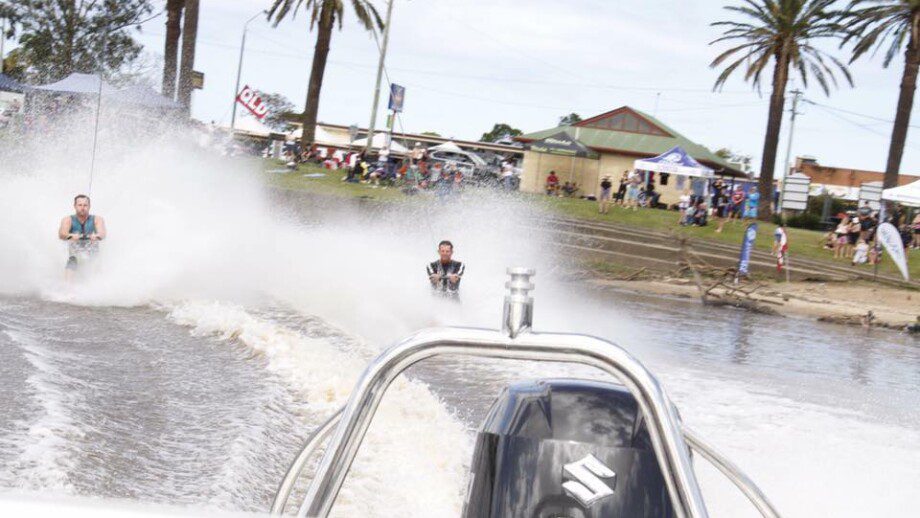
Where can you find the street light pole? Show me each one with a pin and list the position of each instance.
(383, 55)
(239, 71)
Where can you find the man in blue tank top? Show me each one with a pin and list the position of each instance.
(82, 231)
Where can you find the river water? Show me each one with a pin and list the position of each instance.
(216, 329)
(201, 404)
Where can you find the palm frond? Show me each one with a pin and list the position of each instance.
(782, 32)
(364, 11)
(877, 24)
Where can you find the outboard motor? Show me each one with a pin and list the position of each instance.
(565, 449)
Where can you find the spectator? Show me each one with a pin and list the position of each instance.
(606, 195)
(417, 154)
(861, 253)
(651, 196)
(866, 222)
(508, 175)
(737, 207)
(722, 208)
(700, 215)
(842, 240)
(621, 190)
(682, 207)
(716, 190)
(552, 184)
(915, 228)
(570, 189)
(853, 233)
(632, 190)
(751, 204)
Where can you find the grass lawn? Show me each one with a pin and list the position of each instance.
(329, 184)
(802, 243)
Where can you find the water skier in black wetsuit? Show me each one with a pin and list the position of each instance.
(445, 273)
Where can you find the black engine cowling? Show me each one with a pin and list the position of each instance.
(565, 449)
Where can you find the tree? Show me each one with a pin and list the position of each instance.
(568, 120)
(498, 131)
(171, 46)
(8, 21)
(189, 39)
(323, 15)
(880, 23)
(279, 110)
(781, 32)
(66, 36)
(737, 158)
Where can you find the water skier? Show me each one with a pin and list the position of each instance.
(445, 273)
(82, 231)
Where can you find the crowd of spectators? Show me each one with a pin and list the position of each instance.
(412, 172)
(854, 236)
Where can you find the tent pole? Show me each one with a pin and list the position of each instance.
(539, 174)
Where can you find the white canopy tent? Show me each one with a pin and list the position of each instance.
(250, 126)
(380, 141)
(79, 84)
(906, 194)
(320, 136)
(448, 147)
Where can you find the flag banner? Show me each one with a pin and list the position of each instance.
(890, 238)
(251, 100)
(780, 247)
(746, 246)
(397, 96)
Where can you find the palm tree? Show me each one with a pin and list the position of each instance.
(878, 23)
(782, 32)
(189, 40)
(171, 46)
(323, 14)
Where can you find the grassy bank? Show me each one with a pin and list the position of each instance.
(802, 243)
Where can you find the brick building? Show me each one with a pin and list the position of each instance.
(840, 181)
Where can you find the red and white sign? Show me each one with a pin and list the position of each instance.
(251, 100)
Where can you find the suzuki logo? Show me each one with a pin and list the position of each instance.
(585, 484)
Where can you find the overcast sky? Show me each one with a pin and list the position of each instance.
(468, 64)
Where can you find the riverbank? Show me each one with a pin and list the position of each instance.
(804, 244)
(855, 303)
(644, 260)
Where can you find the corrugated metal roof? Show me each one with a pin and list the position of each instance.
(635, 143)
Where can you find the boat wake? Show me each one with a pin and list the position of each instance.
(414, 440)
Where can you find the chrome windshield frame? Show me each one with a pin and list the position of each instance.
(665, 431)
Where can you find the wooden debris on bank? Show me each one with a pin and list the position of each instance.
(721, 288)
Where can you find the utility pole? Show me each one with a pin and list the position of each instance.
(796, 95)
(383, 56)
(239, 71)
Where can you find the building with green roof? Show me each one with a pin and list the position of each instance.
(619, 137)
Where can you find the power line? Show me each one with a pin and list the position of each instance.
(871, 117)
(863, 126)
